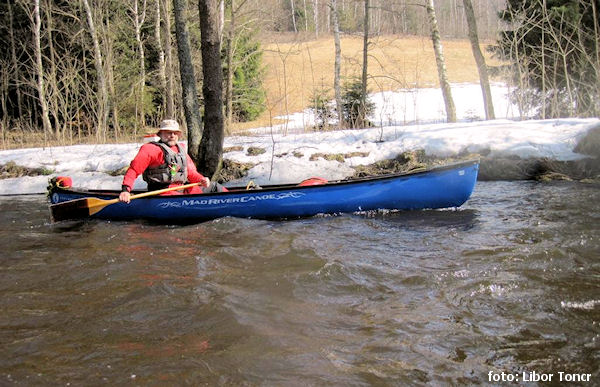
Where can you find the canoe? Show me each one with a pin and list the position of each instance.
(433, 188)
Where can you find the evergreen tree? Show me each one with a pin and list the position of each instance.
(248, 94)
(322, 109)
(553, 48)
(356, 107)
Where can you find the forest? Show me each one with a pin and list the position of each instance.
(107, 70)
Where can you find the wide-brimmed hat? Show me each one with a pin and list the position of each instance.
(169, 125)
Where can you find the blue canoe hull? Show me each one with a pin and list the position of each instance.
(439, 187)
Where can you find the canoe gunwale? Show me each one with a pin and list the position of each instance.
(282, 187)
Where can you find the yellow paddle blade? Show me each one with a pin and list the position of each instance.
(85, 207)
(78, 208)
(95, 204)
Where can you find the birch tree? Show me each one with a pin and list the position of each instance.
(440, 62)
(39, 68)
(337, 64)
(316, 17)
(294, 16)
(13, 57)
(484, 78)
(102, 108)
(52, 88)
(363, 98)
(162, 69)
(229, 47)
(139, 17)
(168, 49)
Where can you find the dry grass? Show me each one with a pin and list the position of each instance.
(295, 70)
(17, 138)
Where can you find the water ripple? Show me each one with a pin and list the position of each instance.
(507, 283)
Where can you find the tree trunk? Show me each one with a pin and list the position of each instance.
(170, 88)
(211, 146)
(102, 108)
(441, 65)
(221, 19)
(52, 86)
(327, 19)
(294, 16)
(484, 78)
(363, 98)
(229, 70)
(316, 17)
(110, 80)
(39, 69)
(138, 23)
(596, 53)
(188, 80)
(162, 75)
(337, 65)
(305, 17)
(13, 56)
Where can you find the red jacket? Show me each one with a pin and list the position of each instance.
(151, 155)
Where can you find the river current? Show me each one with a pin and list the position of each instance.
(507, 286)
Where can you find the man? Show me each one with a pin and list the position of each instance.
(165, 163)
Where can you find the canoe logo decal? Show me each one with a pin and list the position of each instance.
(243, 199)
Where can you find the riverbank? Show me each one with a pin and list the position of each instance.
(509, 150)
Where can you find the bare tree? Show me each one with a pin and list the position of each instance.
(294, 16)
(162, 70)
(211, 146)
(139, 16)
(110, 77)
(316, 17)
(52, 87)
(441, 64)
(229, 53)
(102, 108)
(337, 64)
(284, 55)
(13, 57)
(39, 68)
(305, 16)
(484, 78)
(170, 87)
(363, 98)
(554, 57)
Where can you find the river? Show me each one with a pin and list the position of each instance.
(507, 286)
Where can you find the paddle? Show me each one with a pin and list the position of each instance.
(84, 207)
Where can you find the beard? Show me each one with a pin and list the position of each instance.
(168, 141)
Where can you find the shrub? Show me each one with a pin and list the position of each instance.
(320, 106)
(355, 114)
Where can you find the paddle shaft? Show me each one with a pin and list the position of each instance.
(84, 207)
(152, 193)
(103, 203)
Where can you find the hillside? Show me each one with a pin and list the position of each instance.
(295, 70)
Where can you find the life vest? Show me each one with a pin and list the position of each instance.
(173, 170)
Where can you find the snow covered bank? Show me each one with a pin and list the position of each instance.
(301, 154)
(295, 157)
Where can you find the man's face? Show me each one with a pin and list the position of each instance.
(168, 137)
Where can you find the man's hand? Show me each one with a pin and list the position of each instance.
(206, 182)
(124, 197)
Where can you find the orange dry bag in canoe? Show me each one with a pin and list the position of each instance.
(64, 182)
(313, 181)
